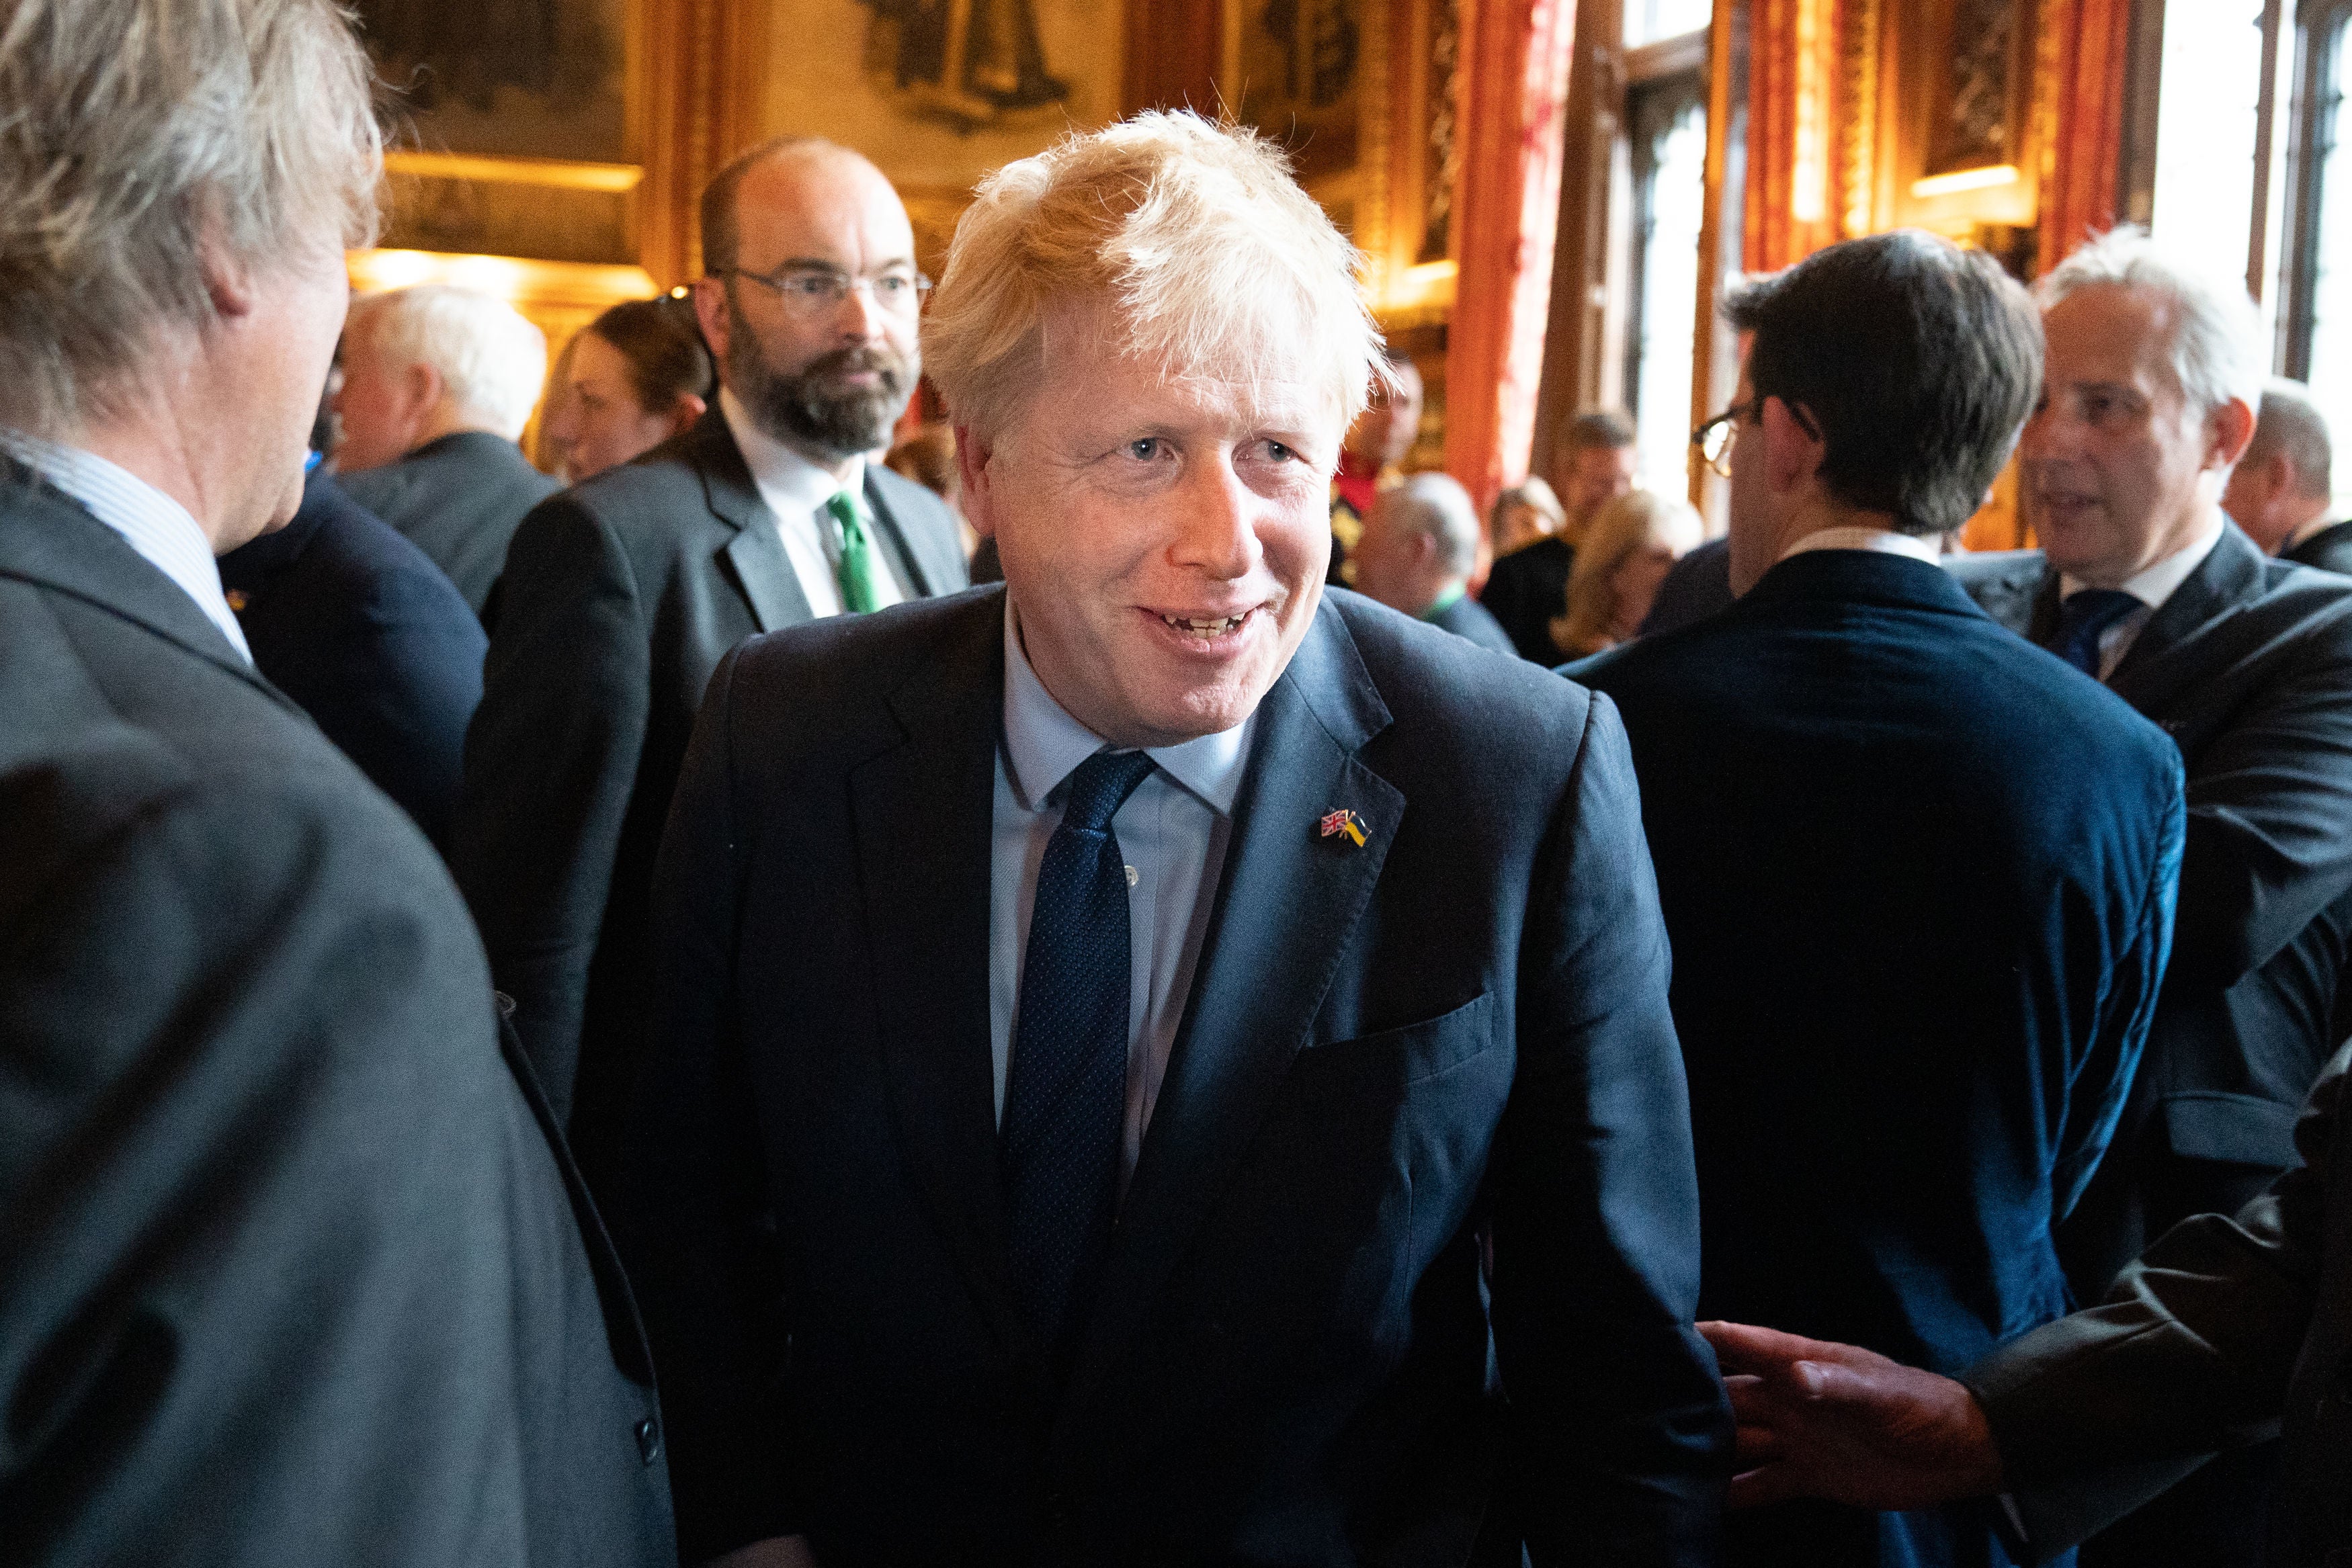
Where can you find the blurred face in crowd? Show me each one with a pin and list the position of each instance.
(1595, 475)
(1164, 529)
(1384, 433)
(384, 407)
(595, 421)
(1395, 562)
(1518, 527)
(826, 376)
(2121, 470)
(1634, 586)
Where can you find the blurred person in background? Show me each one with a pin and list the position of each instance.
(2280, 491)
(629, 381)
(1524, 515)
(1530, 581)
(438, 382)
(1371, 458)
(1634, 541)
(1415, 555)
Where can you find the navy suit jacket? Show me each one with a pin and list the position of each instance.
(360, 627)
(1919, 881)
(1458, 1027)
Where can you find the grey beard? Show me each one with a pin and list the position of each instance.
(799, 411)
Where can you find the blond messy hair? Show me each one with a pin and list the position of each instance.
(1195, 234)
(135, 135)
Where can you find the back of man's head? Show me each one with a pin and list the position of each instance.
(1392, 563)
(140, 138)
(491, 361)
(1915, 363)
(2291, 426)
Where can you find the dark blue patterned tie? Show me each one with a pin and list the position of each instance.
(2087, 613)
(1065, 1103)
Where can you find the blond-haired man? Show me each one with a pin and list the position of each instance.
(1105, 1022)
(288, 1269)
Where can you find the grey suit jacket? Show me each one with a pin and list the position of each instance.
(620, 596)
(2227, 1326)
(2248, 666)
(459, 499)
(2330, 549)
(291, 1269)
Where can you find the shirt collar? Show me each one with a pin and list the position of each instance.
(1861, 537)
(1043, 745)
(2154, 584)
(151, 522)
(785, 478)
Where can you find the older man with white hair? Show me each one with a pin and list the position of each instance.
(1130, 1040)
(1418, 548)
(438, 385)
(288, 1272)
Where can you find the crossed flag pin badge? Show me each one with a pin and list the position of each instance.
(1344, 822)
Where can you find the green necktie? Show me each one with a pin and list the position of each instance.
(857, 568)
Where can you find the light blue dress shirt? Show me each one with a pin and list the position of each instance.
(150, 522)
(1172, 833)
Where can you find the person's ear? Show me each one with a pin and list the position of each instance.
(228, 282)
(420, 388)
(710, 297)
(978, 497)
(1793, 447)
(2229, 430)
(688, 410)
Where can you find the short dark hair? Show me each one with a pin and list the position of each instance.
(717, 210)
(663, 344)
(1916, 360)
(1600, 428)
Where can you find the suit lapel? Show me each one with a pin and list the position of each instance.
(903, 563)
(755, 557)
(924, 821)
(1286, 905)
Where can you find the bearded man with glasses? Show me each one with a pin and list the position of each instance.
(622, 595)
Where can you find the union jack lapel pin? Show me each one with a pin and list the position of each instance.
(1344, 822)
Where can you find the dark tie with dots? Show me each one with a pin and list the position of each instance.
(1065, 1103)
(2087, 613)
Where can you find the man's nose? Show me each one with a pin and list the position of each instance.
(1218, 533)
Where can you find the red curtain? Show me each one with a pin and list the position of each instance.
(2083, 169)
(1514, 90)
(1795, 188)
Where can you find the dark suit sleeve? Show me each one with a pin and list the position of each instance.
(2191, 1351)
(2134, 967)
(421, 651)
(2267, 807)
(699, 1240)
(259, 1167)
(1623, 1433)
(551, 762)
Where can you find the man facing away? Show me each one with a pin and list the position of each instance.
(1415, 555)
(1528, 587)
(1919, 876)
(1104, 1020)
(2280, 491)
(2246, 662)
(288, 1272)
(622, 593)
(438, 385)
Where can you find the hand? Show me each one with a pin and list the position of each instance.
(1836, 1421)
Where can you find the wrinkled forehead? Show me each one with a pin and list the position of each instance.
(2113, 334)
(1235, 367)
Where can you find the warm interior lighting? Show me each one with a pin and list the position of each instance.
(560, 172)
(1964, 180)
(519, 280)
(1808, 167)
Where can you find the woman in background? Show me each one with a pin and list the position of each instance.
(633, 378)
(1633, 542)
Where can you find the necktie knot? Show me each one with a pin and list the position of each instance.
(1101, 786)
(2086, 613)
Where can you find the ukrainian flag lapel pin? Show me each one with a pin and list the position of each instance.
(1344, 822)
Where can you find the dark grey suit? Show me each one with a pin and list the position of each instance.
(620, 595)
(1465, 617)
(458, 500)
(2225, 1326)
(2330, 549)
(291, 1270)
(1458, 1029)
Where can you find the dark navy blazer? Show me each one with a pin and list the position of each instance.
(1458, 1027)
(1920, 879)
(361, 629)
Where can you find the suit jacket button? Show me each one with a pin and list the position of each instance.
(648, 1440)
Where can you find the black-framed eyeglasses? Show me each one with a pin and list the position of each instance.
(816, 291)
(1715, 438)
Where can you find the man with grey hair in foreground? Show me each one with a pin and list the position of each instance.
(438, 385)
(1416, 553)
(2246, 662)
(290, 1267)
(1106, 1024)
(2280, 492)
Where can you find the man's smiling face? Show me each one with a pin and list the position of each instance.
(1164, 532)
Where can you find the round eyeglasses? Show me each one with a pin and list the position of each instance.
(819, 290)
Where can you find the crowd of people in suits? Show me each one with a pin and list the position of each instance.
(687, 1013)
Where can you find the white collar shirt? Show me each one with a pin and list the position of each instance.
(150, 522)
(2151, 586)
(796, 491)
(1886, 542)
